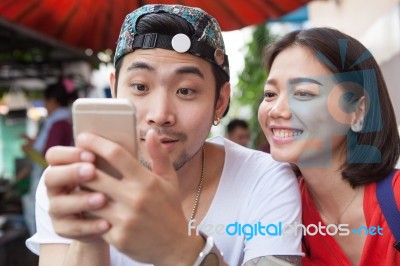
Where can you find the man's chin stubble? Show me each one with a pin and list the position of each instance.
(178, 164)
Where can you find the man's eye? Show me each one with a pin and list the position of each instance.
(139, 87)
(185, 91)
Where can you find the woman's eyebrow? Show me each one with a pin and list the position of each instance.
(270, 82)
(295, 81)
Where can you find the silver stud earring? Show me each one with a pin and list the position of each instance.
(217, 121)
(357, 126)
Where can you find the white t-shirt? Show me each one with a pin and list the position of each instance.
(254, 190)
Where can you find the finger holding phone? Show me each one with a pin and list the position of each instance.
(144, 207)
(73, 166)
(139, 201)
(70, 168)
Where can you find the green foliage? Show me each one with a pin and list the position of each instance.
(251, 80)
(32, 55)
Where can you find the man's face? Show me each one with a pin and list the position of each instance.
(240, 135)
(173, 94)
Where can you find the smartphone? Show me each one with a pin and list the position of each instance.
(113, 119)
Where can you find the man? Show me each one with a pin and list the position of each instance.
(56, 130)
(238, 131)
(170, 61)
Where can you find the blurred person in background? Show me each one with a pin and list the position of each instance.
(238, 131)
(56, 130)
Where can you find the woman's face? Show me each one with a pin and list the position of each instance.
(305, 115)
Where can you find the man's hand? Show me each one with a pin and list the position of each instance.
(144, 207)
(70, 168)
(28, 144)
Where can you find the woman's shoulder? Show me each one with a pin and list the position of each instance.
(396, 178)
(396, 187)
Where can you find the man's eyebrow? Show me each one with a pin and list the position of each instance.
(190, 70)
(140, 65)
(295, 81)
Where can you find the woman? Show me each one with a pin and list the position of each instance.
(56, 130)
(326, 109)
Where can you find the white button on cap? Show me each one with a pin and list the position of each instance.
(181, 43)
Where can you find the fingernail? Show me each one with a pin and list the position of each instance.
(85, 172)
(95, 200)
(86, 156)
(103, 225)
(82, 137)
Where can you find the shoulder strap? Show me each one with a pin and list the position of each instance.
(385, 195)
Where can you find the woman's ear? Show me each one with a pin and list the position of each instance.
(113, 85)
(359, 115)
(359, 112)
(223, 100)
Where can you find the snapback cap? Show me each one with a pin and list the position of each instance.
(206, 42)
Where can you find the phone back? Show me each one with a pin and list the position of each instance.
(113, 119)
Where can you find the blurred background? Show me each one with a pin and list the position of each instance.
(43, 41)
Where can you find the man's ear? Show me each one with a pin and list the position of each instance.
(113, 85)
(223, 100)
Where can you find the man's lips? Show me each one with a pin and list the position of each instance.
(163, 140)
(165, 135)
(167, 140)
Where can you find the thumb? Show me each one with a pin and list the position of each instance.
(161, 162)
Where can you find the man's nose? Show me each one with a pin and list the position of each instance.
(161, 111)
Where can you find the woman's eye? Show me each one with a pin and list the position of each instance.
(269, 94)
(302, 93)
(185, 91)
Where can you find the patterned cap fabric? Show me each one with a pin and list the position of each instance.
(206, 42)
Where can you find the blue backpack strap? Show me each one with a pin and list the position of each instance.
(387, 202)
